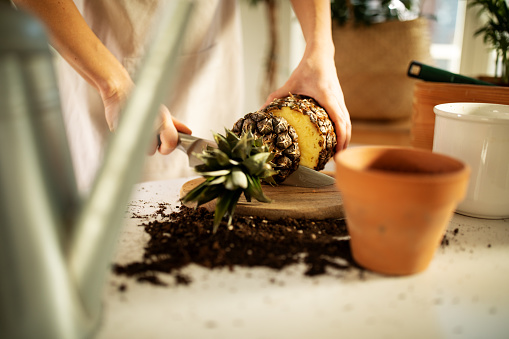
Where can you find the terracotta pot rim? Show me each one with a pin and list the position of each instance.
(461, 169)
(426, 179)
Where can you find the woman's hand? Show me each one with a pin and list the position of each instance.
(168, 137)
(168, 127)
(80, 47)
(316, 77)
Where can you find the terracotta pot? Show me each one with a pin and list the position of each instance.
(398, 202)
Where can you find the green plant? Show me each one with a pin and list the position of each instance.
(367, 12)
(495, 32)
(237, 166)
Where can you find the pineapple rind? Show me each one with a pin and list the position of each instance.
(278, 135)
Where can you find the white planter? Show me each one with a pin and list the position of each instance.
(478, 134)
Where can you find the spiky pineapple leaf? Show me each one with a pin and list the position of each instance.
(223, 144)
(225, 206)
(237, 166)
(256, 164)
(217, 181)
(242, 149)
(208, 195)
(255, 190)
(222, 158)
(194, 193)
(231, 137)
(239, 179)
(217, 173)
(203, 193)
(209, 162)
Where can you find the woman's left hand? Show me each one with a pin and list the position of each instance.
(316, 77)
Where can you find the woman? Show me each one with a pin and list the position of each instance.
(102, 43)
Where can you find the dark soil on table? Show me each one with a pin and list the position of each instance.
(185, 237)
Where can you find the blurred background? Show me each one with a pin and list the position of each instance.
(448, 37)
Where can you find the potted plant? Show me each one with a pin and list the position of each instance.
(375, 42)
(496, 34)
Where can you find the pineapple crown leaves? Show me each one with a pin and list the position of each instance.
(235, 167)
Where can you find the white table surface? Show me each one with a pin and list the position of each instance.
(463, 294)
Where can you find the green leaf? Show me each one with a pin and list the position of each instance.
(239, 179)
(270, 180)
(256, 163)
(217, 181)
(223, 144)
(211, 193)
(231, 137)
(243, 148)
(194, 193)
(268, 177)
(225, 204)
(209, 163)
(216, 173)
(255, 189)
(233, 169)
(247, 195)
(221, 157)
(221, 208)
(233, 204)
(203, 193)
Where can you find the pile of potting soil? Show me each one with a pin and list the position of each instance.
(185, 237)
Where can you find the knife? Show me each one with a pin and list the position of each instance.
(190, 145)
(307, 177)
(302, 177)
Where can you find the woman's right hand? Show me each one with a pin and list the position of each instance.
(168, 133)
(80, 47)
(168, 126)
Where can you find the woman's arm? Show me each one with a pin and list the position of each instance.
(81, 48)
(316, 76)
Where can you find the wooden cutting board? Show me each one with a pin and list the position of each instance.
(287, 201)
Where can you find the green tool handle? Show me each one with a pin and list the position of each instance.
(429, 73)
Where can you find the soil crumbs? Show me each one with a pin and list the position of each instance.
(185, 237)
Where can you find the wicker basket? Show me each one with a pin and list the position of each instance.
(372, 63)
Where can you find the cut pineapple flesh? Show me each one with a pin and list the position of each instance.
(315, 130)
(310, 139)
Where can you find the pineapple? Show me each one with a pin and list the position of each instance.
(235, 167)
(309, 140)
(278, 135)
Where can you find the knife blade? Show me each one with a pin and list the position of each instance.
(302, 177)
(307, 177)
(190, 145)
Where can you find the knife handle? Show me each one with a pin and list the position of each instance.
(185, 141)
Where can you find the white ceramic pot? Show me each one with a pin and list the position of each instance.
(478, 134)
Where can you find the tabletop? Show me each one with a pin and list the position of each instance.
(464, 293)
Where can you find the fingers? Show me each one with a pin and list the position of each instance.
(338, 113)
(168, 133)
(180, 126)
(329, 95)
(279, 93)
(343, 127)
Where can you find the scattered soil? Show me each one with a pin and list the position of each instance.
(185, 237)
